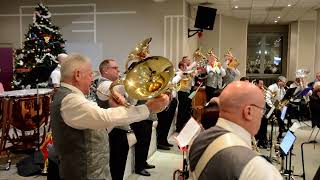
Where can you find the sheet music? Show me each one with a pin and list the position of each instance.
(190, 130)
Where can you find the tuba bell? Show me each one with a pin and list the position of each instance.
(145, 76)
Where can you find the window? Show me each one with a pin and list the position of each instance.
(266, 51)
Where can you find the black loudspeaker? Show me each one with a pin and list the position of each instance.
(205, 18)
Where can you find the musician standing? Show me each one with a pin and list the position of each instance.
(215, 73)
(184, 106)
(56, 74)
(231, 67)
(277, 93)
(118, 142)
(78, 125)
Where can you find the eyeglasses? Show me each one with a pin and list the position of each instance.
(263, 108)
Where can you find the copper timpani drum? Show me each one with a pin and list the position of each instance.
(27, 108)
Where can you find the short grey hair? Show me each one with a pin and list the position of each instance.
(61, 57)
(72, 63)
(282, 78)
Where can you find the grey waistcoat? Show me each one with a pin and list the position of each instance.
(226, 164)
(83, 154)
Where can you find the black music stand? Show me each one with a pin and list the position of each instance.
(302, 157)
(183, 173)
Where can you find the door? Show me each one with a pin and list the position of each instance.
(6, 67)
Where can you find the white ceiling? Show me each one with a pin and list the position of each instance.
(264, 11)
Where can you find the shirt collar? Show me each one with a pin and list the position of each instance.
(73, 88)
(235, 129)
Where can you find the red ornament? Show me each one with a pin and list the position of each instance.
(200, 34)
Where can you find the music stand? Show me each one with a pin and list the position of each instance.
(286, 147)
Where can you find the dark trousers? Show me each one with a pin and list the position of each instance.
(261, 136)
(184, 110)
(119, 148)
(164, 122)
(142, 131)
(210, 92)
(53, 171)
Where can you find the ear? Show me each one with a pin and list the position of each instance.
(247, 114)
(77, 75)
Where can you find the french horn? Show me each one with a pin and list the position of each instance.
(231, 61)
(145, 76)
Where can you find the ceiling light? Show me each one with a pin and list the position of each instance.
(275, 21)
(278, 17)
(236, 7)
(289, 5)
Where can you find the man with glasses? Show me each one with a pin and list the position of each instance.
(118, 142)
(224, 151)
(277, 94)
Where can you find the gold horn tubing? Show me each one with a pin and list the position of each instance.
(113, 94)
(141, 51)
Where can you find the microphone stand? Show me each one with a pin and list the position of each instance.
(38, 118)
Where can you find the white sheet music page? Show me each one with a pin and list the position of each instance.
(190, 130)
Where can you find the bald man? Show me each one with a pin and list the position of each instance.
(224, 151)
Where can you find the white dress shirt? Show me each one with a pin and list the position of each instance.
(80, 113)
(257, 168)
(280, 92)
(56, 75)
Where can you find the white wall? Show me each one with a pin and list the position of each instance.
(119, 25)
(293, 50)
(306, 56)
(228, 32)
(302, 39)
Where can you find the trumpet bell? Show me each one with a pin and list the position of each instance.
(148, 78)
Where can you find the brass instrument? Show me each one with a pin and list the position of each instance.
(146, 77)
(231, 61)
(268, 91)
(200, 58)
(254, 145)
(279, 105)
(210, 53)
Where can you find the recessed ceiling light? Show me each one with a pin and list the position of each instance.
(236, 7)
(275, 21)
(278, 17)
(289, 5)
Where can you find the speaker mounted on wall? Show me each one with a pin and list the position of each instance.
(204, 20)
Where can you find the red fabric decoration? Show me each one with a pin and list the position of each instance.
(200, 34)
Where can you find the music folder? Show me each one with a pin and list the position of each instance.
(188, 133)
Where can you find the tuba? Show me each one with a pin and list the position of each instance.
(145, 76)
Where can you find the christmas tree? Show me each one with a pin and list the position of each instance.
(35, 61)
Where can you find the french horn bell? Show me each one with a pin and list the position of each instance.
(146, 77)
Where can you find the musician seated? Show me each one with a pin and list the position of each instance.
(239, 120)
